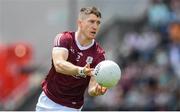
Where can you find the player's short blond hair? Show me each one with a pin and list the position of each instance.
(89, 10)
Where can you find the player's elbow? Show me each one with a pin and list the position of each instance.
(58, 66)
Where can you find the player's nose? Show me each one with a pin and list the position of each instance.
(95, 26)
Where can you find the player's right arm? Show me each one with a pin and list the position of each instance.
(60, 55)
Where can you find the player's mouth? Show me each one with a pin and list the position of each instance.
(94, 33)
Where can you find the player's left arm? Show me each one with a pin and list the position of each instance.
(95, 89)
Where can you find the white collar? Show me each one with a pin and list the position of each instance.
(83, 47)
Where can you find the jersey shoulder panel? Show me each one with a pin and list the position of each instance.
(63, 39)
(101, 52)
(99, 48)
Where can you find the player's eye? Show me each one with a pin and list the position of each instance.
(91, 21)
(98, 22)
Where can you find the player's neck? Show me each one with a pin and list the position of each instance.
(82, 40)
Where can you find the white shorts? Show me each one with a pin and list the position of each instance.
(46, 104)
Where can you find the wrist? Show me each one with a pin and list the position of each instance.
(81, 72)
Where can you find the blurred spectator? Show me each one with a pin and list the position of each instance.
(158, 14)
(174, 55)
(175, 8)
(174, 31)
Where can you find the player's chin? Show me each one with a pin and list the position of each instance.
(92, 37)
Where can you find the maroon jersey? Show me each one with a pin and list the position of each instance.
(69, 90)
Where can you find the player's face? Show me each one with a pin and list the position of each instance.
(90, 26)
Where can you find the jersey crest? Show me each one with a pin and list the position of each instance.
(89, 60)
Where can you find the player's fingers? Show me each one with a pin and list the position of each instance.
(99, 89)
(87, 65)
(104, 89)
(89, 72)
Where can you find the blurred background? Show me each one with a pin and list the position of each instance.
(142, 36)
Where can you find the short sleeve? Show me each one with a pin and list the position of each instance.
(61, 40)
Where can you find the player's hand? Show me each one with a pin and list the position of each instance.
(87, 70)
(99, 90)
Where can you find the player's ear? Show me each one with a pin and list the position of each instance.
(79, 23)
